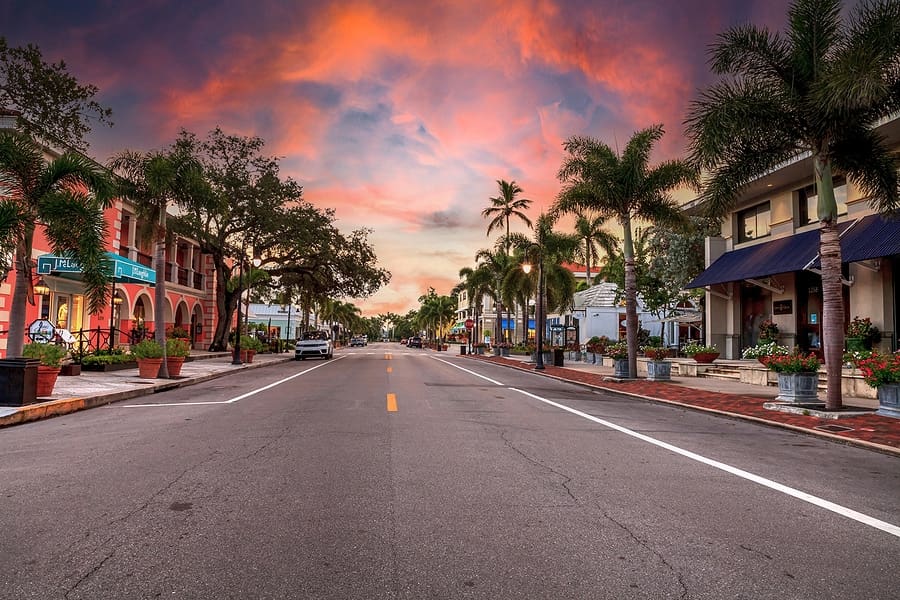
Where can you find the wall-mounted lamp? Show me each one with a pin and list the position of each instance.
(117, 300)
(41, 288)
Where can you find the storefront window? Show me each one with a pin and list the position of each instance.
(753, 223)
(809, 200)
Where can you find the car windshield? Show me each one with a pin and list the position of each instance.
(315, 335)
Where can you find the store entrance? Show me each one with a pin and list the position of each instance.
(756, 307)
(809, 312)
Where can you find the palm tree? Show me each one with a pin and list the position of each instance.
(597, 178)
(153, 180)
(496, 264)
(67, 196)
(555, 248)
(821, 89)
(477, 283)
(592, 236)
(437, 312)
(506, 205)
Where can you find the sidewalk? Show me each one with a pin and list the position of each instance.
(730, 398)
(94, 388)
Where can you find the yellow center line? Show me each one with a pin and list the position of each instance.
(392, 403)
(390, 369)
(388, 356)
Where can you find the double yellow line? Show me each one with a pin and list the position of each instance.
(391, 398)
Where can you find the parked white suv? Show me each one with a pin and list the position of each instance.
(314, 344)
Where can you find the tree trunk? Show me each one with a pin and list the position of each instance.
(15, 339)
(631, 319)
(223, 309)
(832, 288)
(159, 297)
(832, 312)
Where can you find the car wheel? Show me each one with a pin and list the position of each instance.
(328, 356)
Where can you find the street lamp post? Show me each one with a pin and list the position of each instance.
(539, 309)
(256, 262)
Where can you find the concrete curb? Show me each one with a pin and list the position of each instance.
(823, 434)
(63, 406)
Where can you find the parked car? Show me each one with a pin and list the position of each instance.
(314, 344)
(359, 340)
(414, 342)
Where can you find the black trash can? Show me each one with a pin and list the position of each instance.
(462, 350)
(558, 357)
(18, 381)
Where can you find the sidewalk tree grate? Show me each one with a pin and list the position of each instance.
(833, 428)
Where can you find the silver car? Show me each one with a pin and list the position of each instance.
(314, 344)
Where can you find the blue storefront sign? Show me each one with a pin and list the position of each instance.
(121, 269)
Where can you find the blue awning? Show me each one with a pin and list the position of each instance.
(510, 324)
(120, 269)
(872, 237)
(782, 255)
(863, 239)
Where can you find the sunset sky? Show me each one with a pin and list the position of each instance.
(401, 115)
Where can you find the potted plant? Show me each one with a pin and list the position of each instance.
(50, 357)
(861, 334)
(595, 347)
(250, 345)
(479, 347)
(768, 331)
(618, 352)
(798, 376)
(702, 354)
(882, 372)
(148, 354)
(658, 368)
(504, 348)
(177, 350)
(762, 351)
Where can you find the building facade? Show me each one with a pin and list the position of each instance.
(764, 266)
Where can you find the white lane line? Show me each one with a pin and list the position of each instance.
(494, 381)
(815, 500)
(242, 396)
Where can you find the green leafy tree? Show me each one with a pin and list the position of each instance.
(67, 196)
(821, 88)
(624, 187)
(51, 104)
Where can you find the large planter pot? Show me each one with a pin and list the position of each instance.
(174, 364)
(889, 401)
(148, 368)
(479, 351)
(620, 368)
(706, 357)
(659, 370)
(504, 351)
(250, 355)
(18, 381)
(800, 388)
(46, 379)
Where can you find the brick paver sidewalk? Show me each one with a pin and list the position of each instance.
(865, 429)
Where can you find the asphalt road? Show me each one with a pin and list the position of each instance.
(425, 475)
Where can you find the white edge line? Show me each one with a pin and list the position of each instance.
(242, 396)
(446, 362)
(815, 500)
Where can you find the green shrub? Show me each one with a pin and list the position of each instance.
(50, 355)
(178, 347)
(147, 349)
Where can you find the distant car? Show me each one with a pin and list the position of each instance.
(314, 344)
(359, 340)
(414, 342)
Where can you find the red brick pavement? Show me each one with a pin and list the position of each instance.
(872, 429)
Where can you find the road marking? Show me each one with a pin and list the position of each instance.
(494, 381)
(815, 500)
(392, 403)
(390, 369)
(388, 356)
(242, 396)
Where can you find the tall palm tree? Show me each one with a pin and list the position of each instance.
(67, 196)
(477, 283)
(496, 262)
(555, 249)
(506, 205)
(438, 312)
(625, 187)
(821, 88)
(154, 180)
(593, 238)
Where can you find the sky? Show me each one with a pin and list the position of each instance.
(400, 115)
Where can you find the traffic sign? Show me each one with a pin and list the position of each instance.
(470, 324)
